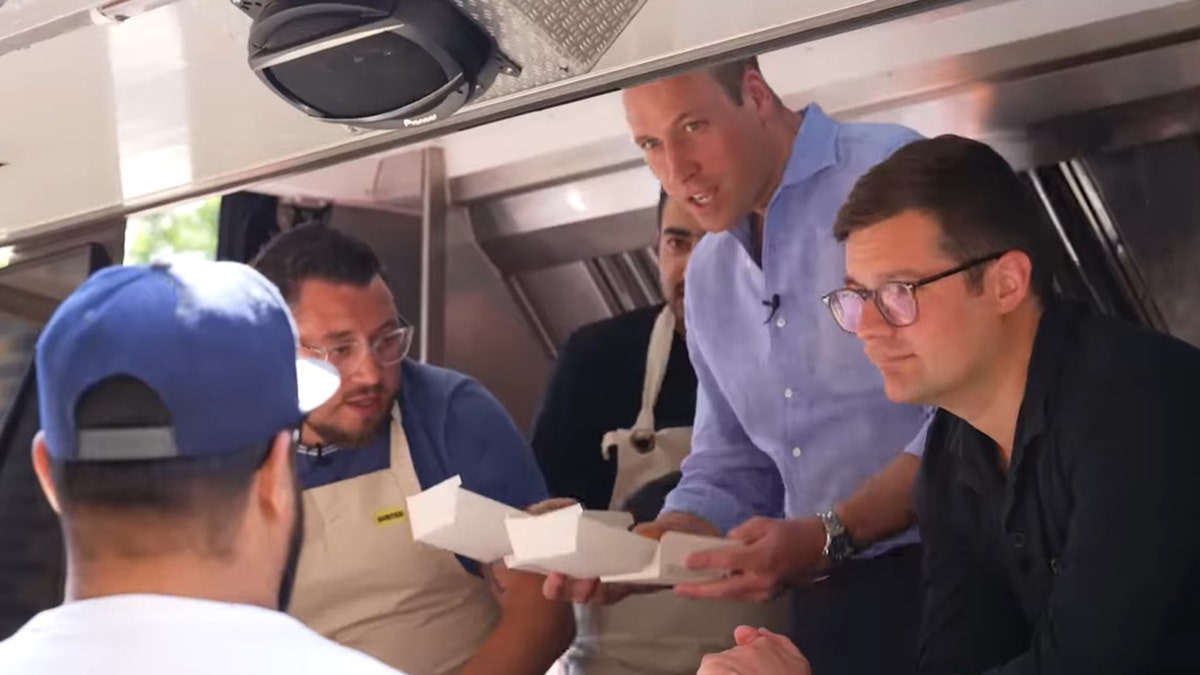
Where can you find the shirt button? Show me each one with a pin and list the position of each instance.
(1018, 540)
(796, 452)
(781, 322)
(787, 393)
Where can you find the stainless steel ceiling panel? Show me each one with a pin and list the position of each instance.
(549, 39)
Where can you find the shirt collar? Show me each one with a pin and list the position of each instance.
(1053, 338)
(316, 450)
(815, 147)
(381, 440)
(1054, 333)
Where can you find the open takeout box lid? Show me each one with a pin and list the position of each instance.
(453, 518)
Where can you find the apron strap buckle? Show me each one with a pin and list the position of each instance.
(643, 440)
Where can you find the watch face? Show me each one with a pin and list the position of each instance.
(838, 549)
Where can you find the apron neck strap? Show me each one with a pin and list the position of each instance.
(657, 356)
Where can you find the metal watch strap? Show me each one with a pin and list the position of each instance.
(839, 547)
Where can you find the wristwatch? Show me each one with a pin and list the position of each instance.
(839, 547)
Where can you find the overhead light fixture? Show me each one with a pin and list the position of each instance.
(373, 63)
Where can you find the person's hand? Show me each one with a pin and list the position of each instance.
(758, 652)
(676, 522)
(592, 592)
(774, 553)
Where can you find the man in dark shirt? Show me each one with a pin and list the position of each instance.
(597, 383)
(1057, 498)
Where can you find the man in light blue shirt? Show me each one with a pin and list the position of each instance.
(796, 452)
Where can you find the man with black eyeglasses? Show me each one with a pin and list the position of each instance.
(396, 427)
(1056, 498)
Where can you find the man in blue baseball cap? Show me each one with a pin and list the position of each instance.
(170, 395)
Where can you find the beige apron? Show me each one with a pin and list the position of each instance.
(658, 633)
(363, 582)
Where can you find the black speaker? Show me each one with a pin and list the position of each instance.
(373, 63)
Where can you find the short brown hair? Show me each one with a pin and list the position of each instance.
(316, 252)
(974, 195)
(195, 500)
(729, 76)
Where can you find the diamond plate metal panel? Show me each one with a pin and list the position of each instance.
(550, 40)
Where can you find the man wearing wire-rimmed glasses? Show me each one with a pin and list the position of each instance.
(396, 427)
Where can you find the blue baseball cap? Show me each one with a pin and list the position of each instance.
(214, 340)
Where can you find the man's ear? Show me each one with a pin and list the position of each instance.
(1013, 274)
(41, 467)
(757, 93)
(273, 482)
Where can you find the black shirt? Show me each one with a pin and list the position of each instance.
(1085, 556)
(596, 388)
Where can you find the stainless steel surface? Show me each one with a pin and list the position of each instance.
(1038, 101)
(599, 216)
(560, 243)
(595, 159)
(531, 317)
(1152, 192)
(574, 251)
(399, 182)
(564, 297)
(1123, 261)
(49, 30)
(32, 289)
(1114, 127)
(550, 40)
(433, 256)
(109, 234)
(486, 334)
(625, 283)
(22, 15)
(22, 26)
(579, 200)
(396, 240)
(1022, 114)
(1115, 260)
(1056, 221)
(1011, 94)
(284, 142)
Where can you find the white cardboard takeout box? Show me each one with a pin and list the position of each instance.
(597, 544)
(668, 566)
(455, 519)
(573, 541)
(578, 543)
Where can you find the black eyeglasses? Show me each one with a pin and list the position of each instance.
(895, 300)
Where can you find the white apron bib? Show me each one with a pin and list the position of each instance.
(659, 633)
(363, 582)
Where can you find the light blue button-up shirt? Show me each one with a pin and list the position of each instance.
(790, 415)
